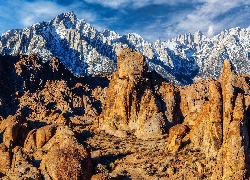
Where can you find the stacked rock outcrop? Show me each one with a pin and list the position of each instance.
(44, 97)
(132, 103)
(220, 129)
(235, 131)
(61, 155)
(214, 110)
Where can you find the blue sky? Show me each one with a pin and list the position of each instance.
(152, 19)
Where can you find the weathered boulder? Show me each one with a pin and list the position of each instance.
(61, 156)
(176, 134)
(66, 163)
(37, 138)
(21, 167)
(66, 158)
(15, 130)
(44, 134)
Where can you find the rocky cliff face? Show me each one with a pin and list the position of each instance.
(220, 129)
(132, 104)
(182, 60)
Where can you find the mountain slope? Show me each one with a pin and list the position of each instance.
(84, 50)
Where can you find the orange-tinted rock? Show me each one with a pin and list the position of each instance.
(21, 168)
(235, 132)
(197, 132)
(44, 134)
(229, 79)
(192, 98)
(221, 130)
(101, 176)
(31, 63)
(62, 156)
(176, 134)
(213, 134)
(55, 100)
(171, 102)
(37, 138)
(15, 130)
(30, 142)
(215, 101)
(206, 134)
(58, 118)
(55, 64)
(66, 158)
(131, 104)
(178, 130)
(136, 101)
(5, 160)
(68, 163)
(236, 143)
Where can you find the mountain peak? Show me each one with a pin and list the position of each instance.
(68, 17)
(69, 14)
(84, 50)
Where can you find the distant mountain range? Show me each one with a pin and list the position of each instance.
(85, 51)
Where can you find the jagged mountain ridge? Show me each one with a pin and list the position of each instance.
(84, 50)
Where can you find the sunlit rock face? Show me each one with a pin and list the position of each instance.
(131, 104)
(220, 129)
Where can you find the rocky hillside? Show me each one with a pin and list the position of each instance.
(181, 60)
(132, 125)
(30, 86)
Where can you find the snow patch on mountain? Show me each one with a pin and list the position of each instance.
(84, 50)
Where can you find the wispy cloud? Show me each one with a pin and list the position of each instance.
(152, 19)
(132, 3)
(47, 10)
(206, 17)
(210, 31)
(27, 13)
(109, 3)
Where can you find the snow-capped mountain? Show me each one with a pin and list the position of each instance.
(84, 50)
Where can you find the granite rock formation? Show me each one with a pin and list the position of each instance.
(132, 103)
(15, 130)
(214, 110)
(46, 90)
(55, 125)
(176, 134)
(221, 127)
(40, 107)
(66, 158)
